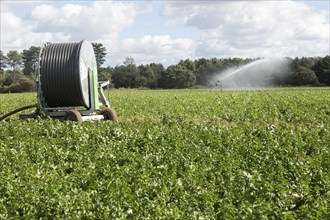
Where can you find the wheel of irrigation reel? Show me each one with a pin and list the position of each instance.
(109, 114)
(72, 115)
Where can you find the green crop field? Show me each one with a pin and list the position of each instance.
(173, 154)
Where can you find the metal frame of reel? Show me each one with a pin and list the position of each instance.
(60, 112)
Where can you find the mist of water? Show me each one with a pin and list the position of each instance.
(261, 73)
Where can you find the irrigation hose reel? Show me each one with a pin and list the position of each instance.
(67, 84)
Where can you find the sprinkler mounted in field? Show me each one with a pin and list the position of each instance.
(67, 85)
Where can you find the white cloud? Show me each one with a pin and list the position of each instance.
(16, 34)
(44, 13)
(92, 23)
(71, 10)
(101, 21)
(159, 49)
(253, 29)
(10, 29)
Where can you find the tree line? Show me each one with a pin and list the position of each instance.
(18, 71)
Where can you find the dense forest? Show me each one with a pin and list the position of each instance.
(18, 71)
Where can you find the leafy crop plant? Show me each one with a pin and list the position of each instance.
(173, 154)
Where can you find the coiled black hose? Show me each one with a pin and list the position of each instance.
(60, 75)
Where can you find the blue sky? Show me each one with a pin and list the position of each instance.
(168, 31)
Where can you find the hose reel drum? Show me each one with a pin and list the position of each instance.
(67, 85)
(64, 72)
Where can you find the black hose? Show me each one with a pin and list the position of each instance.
(17, 110)
(60, 75)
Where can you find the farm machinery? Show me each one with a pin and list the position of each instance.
(67, 85)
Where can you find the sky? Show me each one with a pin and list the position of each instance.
(169, 31)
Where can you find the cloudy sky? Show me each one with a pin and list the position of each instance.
(168, 31)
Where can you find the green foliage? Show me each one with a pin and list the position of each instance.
(15, 81)
(104, 74)
(100, 53)
(3, 61)
(132, 76)
(322, 70)
(14, 60)
(126, 76)
(129, 61)
(173, 154)
(30, 60)
(147, 76)
(10, 77)
(305, 76)
(26, 84)
(178, 77)
(303, 73)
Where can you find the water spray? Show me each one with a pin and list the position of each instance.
(257, 74)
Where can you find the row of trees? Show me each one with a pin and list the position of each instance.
(17, 71)
(305, 71)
